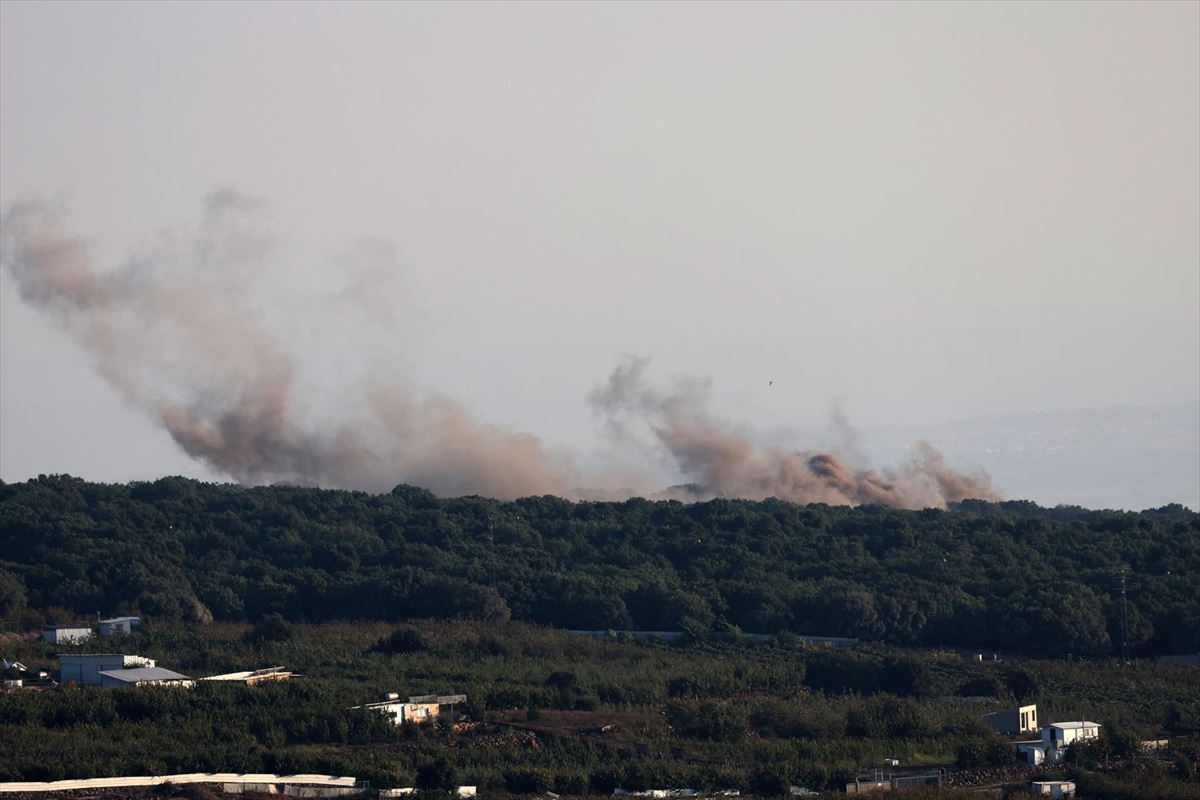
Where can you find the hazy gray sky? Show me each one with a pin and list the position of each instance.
(930, 211)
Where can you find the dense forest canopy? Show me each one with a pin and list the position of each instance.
(1007, 576)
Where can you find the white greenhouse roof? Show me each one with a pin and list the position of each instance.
(141, 674)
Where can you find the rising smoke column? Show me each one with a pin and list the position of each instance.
(184, 331)
(723, 462)
(181, 332)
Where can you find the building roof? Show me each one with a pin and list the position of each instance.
(440, 699)
(383, 704)
(122, 619)
(95, 655)
(269, 672)
(144, 675)
(80, 626)
(1074, 725)
(124, 656)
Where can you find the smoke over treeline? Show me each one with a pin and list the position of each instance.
(187, 330)
(723, 461)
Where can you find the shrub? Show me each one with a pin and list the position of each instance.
(526, 781)
(990, 751)
(435, 775)
(402, 640)
(271, 628)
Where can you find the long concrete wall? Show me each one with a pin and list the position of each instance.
(195, 777)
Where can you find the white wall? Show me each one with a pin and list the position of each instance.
(64, 635)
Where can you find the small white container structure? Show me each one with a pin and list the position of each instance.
(66, 634)
(116, 625)
(1053, 788)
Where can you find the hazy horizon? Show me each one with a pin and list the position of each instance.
(933, 217)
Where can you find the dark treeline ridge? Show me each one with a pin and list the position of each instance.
(1009, 576)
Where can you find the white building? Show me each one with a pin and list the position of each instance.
(1053, 788)
(116, 625)
(399, 711)
(117, 678)
(65, 634)
(251, 677)
(1061, 734)
(418, 709)
(86, 668)
(462, 792)
(1056, 737)
(1022, 719)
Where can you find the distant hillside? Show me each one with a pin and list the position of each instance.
(1008, 576)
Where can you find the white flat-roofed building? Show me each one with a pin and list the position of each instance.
(1022, 719)
(418, 709)
(1056, 737)
(65, 634)
(117, 678)
(116, 625)
(1060, 734)
(399, 711)
(86, 667)
(1053, 788)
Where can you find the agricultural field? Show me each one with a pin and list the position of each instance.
(549, 711)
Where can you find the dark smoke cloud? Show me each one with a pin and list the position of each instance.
(185, 331)
(723, 462)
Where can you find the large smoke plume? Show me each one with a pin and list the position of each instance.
(184, 332)
(721, 461)
(189, 330)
